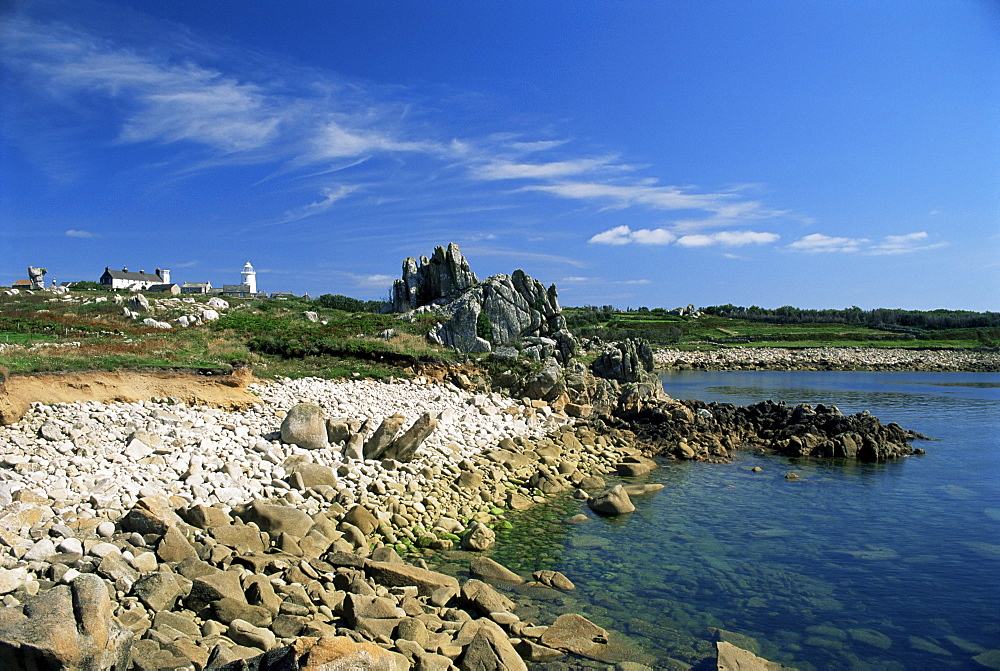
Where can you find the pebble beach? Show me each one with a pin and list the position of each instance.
(88, 493)
(829, 358)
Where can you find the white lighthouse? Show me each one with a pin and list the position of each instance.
(249, 278)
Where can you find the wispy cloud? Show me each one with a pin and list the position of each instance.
(500, 169)
(890, 244)
(170, 99)
(334, 141)
(904, 244)
(817, 243)
(76, 233)
(162, 102)
(372, 281)
(527, 256)
(657, 197)
(728, 239)
(305, 124)
(329, 196)
(624, 235)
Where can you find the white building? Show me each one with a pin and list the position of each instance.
(140, 281)
(246, 290)
(249, 278)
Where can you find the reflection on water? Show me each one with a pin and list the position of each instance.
(854, 566)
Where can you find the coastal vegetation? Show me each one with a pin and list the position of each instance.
(791, 327)
(271, 335)
(350, 338)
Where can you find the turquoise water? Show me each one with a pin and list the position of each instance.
(854, 566)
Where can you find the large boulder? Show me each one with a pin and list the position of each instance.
(328, 653)
(383, 437)
(479, 538)
(275, 519)
(575, 633)
(67, 627)
(614, 501)
(491, 649)
(731, 658)
(305, 426)
(628, 361)
(404, 448)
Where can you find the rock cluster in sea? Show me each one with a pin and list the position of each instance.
(829, 358)
(692, 429)
(190, 536)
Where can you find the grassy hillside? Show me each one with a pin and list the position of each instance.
(271, 335)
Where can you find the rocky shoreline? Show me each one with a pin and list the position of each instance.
(157, 535)
(830, 358)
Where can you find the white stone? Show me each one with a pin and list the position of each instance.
(40, 551)
(11, 579)
(69, 576)
(144, 562)
(136, 449)
(102, 550)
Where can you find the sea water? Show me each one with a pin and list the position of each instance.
(852, 566)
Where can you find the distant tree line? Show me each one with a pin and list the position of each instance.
(348, 304)
(588, 315)
(879, 318)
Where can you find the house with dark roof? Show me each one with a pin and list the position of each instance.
(196, 288)
(173, 289)
(140, 281)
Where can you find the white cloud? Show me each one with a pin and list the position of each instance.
(890, 244)
(509, 170)
(526, 256)
(623, 235)
(656, 236)
(819, 243)
(695, 240)
(334, 141)
(740, 238)
(330, 195)
(619, 235)
(657, 197)
(904, 244)
(369, 281)
(536, 146)
(76, 233)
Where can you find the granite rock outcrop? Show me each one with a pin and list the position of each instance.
(503, 311)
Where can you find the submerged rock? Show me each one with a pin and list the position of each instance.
(731, 658)
(614, 501)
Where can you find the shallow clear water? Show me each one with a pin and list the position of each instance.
(863, 566)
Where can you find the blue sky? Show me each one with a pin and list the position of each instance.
(818, 154)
